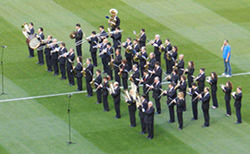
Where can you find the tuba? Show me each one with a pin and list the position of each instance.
(72, 35)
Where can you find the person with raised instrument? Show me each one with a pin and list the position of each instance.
(78, 69)
(105, 93)
(136, 76)
(157, 43)
(167, 55)
(149, 119)
(78, 40)
(201, 80)
(31, 32)
(40, 37)
(182, 86)
(146, 81)
(181, 65)
(173, 77)
(131, 107)
(194, 93)
(205, 106)
(171, 95)
(103, 34)
(212, 80)
(143, 56)
(117, 99)
(124, 74)
(151, 64)
(54, 56)
(116, 36)
(93, 42)
(109, 55)
(136, 50)
(158, 71)
(156, 88)
(98, 84)
(62, 60)
(174, 55)
(190, 73)
(47, 52)
(89, 76)
(142, 38)
(104, 55)
(237, 104)
(227, 89)
(143, 105)
(117, 63)
(128, 52)
(114, 20)
(180, 108)
(70, 58)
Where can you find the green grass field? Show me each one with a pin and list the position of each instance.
(197, 27)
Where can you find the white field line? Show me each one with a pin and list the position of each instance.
(84, 91)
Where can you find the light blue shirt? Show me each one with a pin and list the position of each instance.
(226, 50)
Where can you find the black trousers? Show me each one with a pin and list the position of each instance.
(143, 124)
(169, 66)
(142, 69)
(190, 81)
(158, 58)
(117, 109)
(185, 106)
(110, 72)
(105, 102)
(99, 95)
(150, 129)
(206, 116)
(105, 65)
(94, 59)
(131, 111)
(158, 105)
(40, 56)
(228, 107)
(180, 119)
(238, 114)
(117, 77)
(63, 71)
(195, 110)
(70, 76)
(79, 83)
(55, 66)
(171, 113)
(129, 62)
(48, 62)
(31, 52)
(89, 88)
(79, 50)
(214, 97)
(125, 83)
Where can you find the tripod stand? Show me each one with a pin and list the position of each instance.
(69, 107)
(3, 47)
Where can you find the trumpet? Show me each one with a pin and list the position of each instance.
(208, 79)
(111, 89)
(150, 42)
(114, 31)
(233, 94)
(222, 86)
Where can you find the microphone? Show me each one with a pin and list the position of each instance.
(4, 46)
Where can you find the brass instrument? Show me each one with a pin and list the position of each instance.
(222, 86)
(112, 19)
(131, 78)
(162, 48)
(138, 101)
(233, 94)
(111, 89)
(136, 58)
(208, 79)
(177, 85)
(127, 96)
(72, 35)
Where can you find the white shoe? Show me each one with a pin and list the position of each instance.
(228, 76)
(223, 74)
(214, 107)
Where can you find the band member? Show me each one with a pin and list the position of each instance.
(182, 86)
(54, 57)
(156, 88)
(180, 107)
(136, 50)
(173, 77)
(93, 40)
(213, 82)
(143, 59)
(116, 36)
(142, 39)
(105, 93)
(78, 40)
(78, 68)
(47, 52)
(62, 60)
(117, 63)
(201, 80)
(136, 76)
(174, 54)
(190, 73)
(70, 62)
(151, 65)
(114, 20)
(131, 108)
(104, 55)
(40, 37)
(109, 55)
(97, 83)
(124, 74)
(117, 99)
(237, 104)
(194, 93)
(157, 43)
(168, 56)
(181, 65)
(103, 34)
(149, 119)
(171, 95)
(31, 32)
(146, 81)
(205, 106)
(227, 90)
(128, 52)
(158, 71)
(89, 76)
(143, 105)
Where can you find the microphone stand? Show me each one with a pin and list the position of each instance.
(69, 107)
(2, 93)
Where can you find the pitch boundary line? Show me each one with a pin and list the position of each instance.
(84, 91)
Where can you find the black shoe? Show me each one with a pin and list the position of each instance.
(237, 122)
(78, 90)
(158, 112)
(150, 138)
(194, 119)
(204, 126)
(30, 56)
(143, 133)
(132, 125)
(180, 128)
(98, 103)
(38, 63)
(49, 70)
(41, 64)
(55, 74)
(170, 121)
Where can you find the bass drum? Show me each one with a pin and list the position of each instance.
(34, 43)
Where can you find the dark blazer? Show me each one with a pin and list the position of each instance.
(174, 78)
(32, 31)
(237, 98)
(201, 80)
(98, 81)
(116, 95)
(136, 77)
(168, 48)
(118, 61)
(132, 104)
(194, 93)
(156, 90)
(171, 95)
(103, 34)
(78, 69)
(89, 72)
(62, 60)
(149, 115)
(205, 101)
(125, 71)
(116, 39)
(158, 73)
(92, 43)
(156, 48)
(213, 83)
(142, 40)
(78, 36)
(143, 59)
(183, 87)
(128, 55)
(70, 59)
(105, 87)
(180, 104)
(151, 65)
(227, 93)
(180, 67)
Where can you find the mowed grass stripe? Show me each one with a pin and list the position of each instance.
(198, 24)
